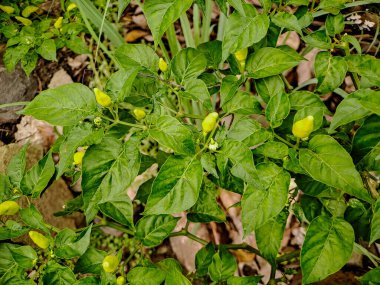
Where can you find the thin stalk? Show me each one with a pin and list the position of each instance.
(287, 84)
(13, 104)
(206, 21)
(189, 235)
(124, 123)
(283, 140)
(132, 254)
(221, 25)
(288, 256)
(186, 29)
(101, 29)
(196, 23)
(118, 227)
(172, 39)
(164, 51)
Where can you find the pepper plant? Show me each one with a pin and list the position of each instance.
(219, 114)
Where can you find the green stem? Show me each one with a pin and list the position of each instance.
(192, 116)
(185, 24)
(189, 235)
(13, 104)
(206, 21)
(221, 25)
(283, 140)
(288, 85)
(164, 50)
(288, 256)
(172, 39)
(118, 227)
(243, 246)
(132, 254)
(196, 23)
(124, 123)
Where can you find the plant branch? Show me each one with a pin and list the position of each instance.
(13, 104)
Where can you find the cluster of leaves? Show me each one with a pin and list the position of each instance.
(333, 167)
(29, 32)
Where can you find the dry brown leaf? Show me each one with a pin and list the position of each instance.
(134, 35)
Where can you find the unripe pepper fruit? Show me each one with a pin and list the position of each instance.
(110, 263)
(9, 208)
(58, 23)
(139, 114)
(39, 239)
(102, 98)
(162, 65)
(29, 10)
(120, 280)
(209, 122)
(24, 21)
(7, 9)
(78, 157)
(303, 128)
(241, 55)
(71, 7)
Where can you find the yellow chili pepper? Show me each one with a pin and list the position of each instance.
(9, 208)
(71, 7)
(209, 122)
(24, 21)
(29, 10)
(7, 9)
(303, 128)
(78, 157)
(139, 114)
(102, 98)
(241, 55)
(58, 23)
(39, 239)
(120, 280)
(162, 65)
(110, 263)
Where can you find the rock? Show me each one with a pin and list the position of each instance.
(14, 87)
(60, 78)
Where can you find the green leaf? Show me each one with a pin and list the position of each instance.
(208, 163)
(161, 14)
(82, 135)
(261, 205)
(269, 86)
(334, 24)
(122, 6)
(5, 188)
(242, 32)
(64, 105)
(70, 245)
(372, 277)
(269, 61)
(242, 103)
(287, 21)
(248, 131)
(91, 261)
(55, 273)
(16, 255)
(239, 5)
(176, 187)
(332, 6)
(330, 71)
(213, 52)
(367, 66)
(242, 161)
(316, 189)
(188, 63)
(88, 10)
(135, 56)
(206, 209)
(29, 62)
(16, 167)
(229, 87)
(366, 143)
(301, 99)
(33, 218)
(375, 223)
(203, 259)
(77, 45)
(120, 84)
(249, 280)
(108, 169)
(152, 230)
(223, 265)
(169, 132)
(196, 89)
(9, 233)
(142, 275)
(13, 55)
(118, 206)
(48, 50)
(336, 170)
(318, 39)
(359, 105)
(37, 178)
(328, 246)
(272, 149)
(269, 237)
(278, 109)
